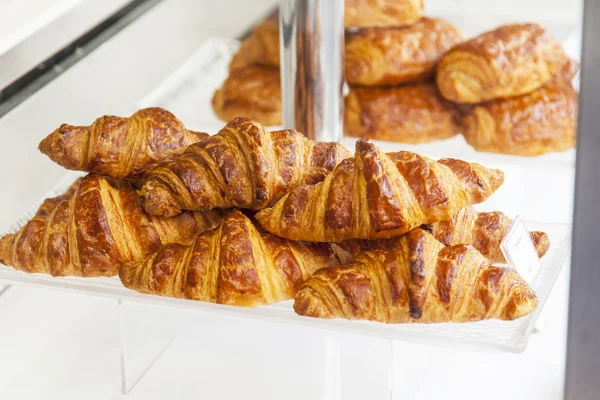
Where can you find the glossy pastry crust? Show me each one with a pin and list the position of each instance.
(91, 233)
(529, 125)
(379, 196)
(237, 264)
(120, 148)
(415, 279)
(509, 61)
(381, 13)
(253, 92)
(260, 48)
(243, 166)
(393, 56)
(48, 205)
(408, 114)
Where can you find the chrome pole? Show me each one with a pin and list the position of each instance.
(312, 53)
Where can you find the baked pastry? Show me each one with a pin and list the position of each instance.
(393, 56)
(379, 196)
(509, 61)
(409, 114)
(101, 226)
(48, 205)
(370, 13)
(237, 264)
(243, 166)
(120, 148)
(542, 121)
(253, 92)
(260, 48)
(417, 279)
(483, 230)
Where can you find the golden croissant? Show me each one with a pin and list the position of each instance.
(48, 205)
(379, 196)
(120, 148)
(236, 264)
(243, 166)
(483, 230)
(381, 13)
(509, 61)
(539, 122)
(414, 113)
(254, 92)
(260, 48)
(415, 279)
(92, 233)
(393, 56)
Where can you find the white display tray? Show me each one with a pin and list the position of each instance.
(492, 334)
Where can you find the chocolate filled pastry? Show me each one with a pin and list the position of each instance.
(371, 13)
(392, 56)
(409, 114)
(540, 122)
(260, 48)
(509, 61)
(252, 92)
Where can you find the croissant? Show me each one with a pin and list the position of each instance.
(483, 230)
(48, 205)
(236, 264)
(101, 226)
(260, 48)
(252, 92)
(417, 279)
(379, 196)
(408, 114)
(509, 61)
(381, 13)
(393, 56)
(120, 148)
(539, 122)
(243, 166)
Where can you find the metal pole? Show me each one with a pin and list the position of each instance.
(312, 46)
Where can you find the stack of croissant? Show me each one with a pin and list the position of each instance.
(248, 217)
(412, 79)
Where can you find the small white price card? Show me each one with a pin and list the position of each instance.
(520, 252)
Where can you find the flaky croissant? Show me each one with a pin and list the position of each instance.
(393, 56)
(120, 148)
(483, 230)
(539, 122)
(415, 279)
(381, 13)
(509, 61)
(379, 196)
(413, 113)
(236, 264)
(253, 92)
(48, 205)
(243, 166)
(101, 226)
(260, 48)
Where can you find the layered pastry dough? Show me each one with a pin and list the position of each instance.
(509, 61)
(48, 205)
(120, 148)
(379, 196)
(252, 92)
(260, 48)
(101, 225)
(237, 264)
(483, 230)
(381, 13)
(542, 121)
(392, 56)
(243, 166)
(415, 279)
(409, 114)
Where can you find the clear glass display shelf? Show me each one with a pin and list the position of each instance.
(493, 334)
